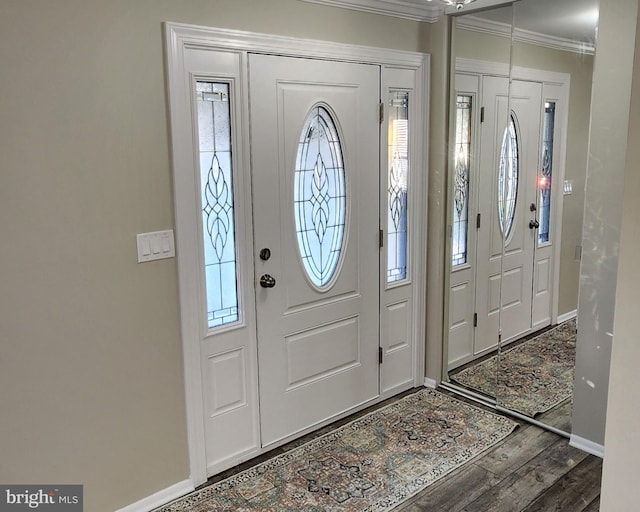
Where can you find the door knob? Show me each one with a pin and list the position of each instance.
(266, 281)
(534, 224)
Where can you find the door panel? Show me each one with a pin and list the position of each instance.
(525, 106)
(509, 277)
(495, 94)
(317, 344)
(462, 294)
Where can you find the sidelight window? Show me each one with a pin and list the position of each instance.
(216, 191)
(397, 186)
(546, 171)
(461, 180)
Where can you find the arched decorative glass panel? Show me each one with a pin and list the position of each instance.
(319, 197)
(508, 177)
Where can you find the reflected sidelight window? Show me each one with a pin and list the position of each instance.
(546, 172)
(397, 186)
(461, 180)
(216, 191)
(508, 175)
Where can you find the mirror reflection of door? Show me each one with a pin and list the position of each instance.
(521, 134)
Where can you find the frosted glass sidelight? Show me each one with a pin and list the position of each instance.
(216, 190)
(397, 186)
(508, 177)
(546, 172)
(319, 197)
(461, 181)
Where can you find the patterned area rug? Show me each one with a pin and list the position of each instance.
(371, 464)
(533, 376)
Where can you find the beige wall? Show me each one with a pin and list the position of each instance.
(90, 355)
(620, 490)
(468, 44)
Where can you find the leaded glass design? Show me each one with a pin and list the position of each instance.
(398, 177)
(508, 174)
(546, 171)
(319, 197)
(460, 225)
(216, 188)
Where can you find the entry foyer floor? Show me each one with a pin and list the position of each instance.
(532, 470)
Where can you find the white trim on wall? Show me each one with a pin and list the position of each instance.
(567, 316)
(495, 28)
(430, 383)
(416, 10)
(160, 498)
(586, 446)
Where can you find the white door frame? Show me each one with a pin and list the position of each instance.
(178, 38)
(561, 81)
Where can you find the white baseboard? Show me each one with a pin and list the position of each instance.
(587, 446)
(567, 316)
(160, 498)
(430, 383)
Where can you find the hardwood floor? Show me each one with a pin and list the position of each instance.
(532, 470)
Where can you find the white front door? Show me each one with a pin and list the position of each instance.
(509, 161)
(315, 167)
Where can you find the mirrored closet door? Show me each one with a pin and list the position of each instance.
(521, 84)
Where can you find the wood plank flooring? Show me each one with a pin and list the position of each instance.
(532, 470)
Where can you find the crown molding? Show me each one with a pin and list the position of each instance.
(416, 10)
(484, 26)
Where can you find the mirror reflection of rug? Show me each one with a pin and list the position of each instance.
(533, 377)
(371, 464)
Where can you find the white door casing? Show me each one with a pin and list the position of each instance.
(223, 360)
(525, 281)
(318, 346)
(398, 299)
(221, 364)
(546, 269)
(462, 280)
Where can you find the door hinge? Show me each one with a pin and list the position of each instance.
(381, 238)
(379, 355)
(475, 319)
(478, 219)
(381, 112)
(482, 114)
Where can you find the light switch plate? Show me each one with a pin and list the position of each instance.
(567, 187)
(156, 245)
